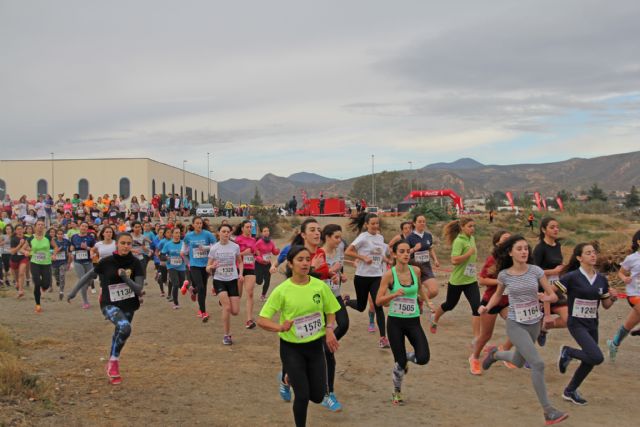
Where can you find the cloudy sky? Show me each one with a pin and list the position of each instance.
(285, 86)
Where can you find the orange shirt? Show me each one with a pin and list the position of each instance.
(89, 203)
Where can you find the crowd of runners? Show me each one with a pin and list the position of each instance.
(124, 254)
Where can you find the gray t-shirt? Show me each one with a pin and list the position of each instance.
(524, 306)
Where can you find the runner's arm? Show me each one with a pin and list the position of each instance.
(84, 281)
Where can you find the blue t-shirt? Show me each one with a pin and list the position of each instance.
(82, 255)
(283, 254)
(61, 257)
(174, 260)
(199, 245)
(254, 227)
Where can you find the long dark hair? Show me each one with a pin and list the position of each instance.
(574, 263)
(298, 239)
(634, 242)
(358, 223)
(328, 230)
(453, 228)
(495, 239)
(503, 259)
(543, 226)
(238, 230)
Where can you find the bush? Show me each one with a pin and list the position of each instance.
(433, 211)
(267, 217)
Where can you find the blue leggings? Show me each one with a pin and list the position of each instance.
(590, 355)
(122, 320)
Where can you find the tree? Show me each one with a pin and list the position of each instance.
(596, 193)
(565, 196)
(257, 200)
(633, 198)
(491, 203)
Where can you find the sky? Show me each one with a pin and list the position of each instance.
(319, 86)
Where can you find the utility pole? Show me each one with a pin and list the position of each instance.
(373, 181)
(184, 188)
(410, 176)
(208, 181)
(53, 186)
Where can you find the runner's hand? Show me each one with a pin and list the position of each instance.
(482, 309)
(332, 341)
(286, 325)
(367, 260)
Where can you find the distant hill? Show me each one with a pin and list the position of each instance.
(309, 178)
(464, 163)
(469, 179)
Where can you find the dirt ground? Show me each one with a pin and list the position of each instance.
(177, 372)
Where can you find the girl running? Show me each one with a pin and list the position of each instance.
(176, 265)
(61, 260)
(141, 248)
(488, 278)
(122, 284)
(304, 303)
(369, 250)
(463, 279)
(197, 244)
(521, 280)
(422, 254)
(406, 228)
(401, 288)
(248, 251)
(630, 274)
(39, 248)
(81, 243)
(164, 235)
(226, 260)
(548, 256)
(18, 261)
(586, 289)
(6, 254)
(265, 248)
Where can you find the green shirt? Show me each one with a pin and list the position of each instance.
(71, 232)
(40, 251)
(405, 306)
(306, 305)
(465, 273)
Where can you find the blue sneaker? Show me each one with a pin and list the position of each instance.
(285, 390)
(542, 338)
(613, 350)
(574, 396)
(563, 359)
(331, 403)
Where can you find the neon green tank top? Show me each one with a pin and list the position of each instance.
(405, 306)
(40, 251)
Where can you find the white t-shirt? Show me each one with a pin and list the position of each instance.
(372, 246)
(226, 256)
(40, 212)
(104, 249)
(632, 265)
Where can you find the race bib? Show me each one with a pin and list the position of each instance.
(226, 271)
(80, 212)
(527, 311)
(247, 259)
(80, 255)
(403, 306)
(201, 252)
(307, 326)
(266, 258)
(421, 257)
(175, 260)
(585, 308)
(376, 259)
(39, 257)
(470, 270)
(60, 256)
(553, 278)
(94, 214)
(119, 292)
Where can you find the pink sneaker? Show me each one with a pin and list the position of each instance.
(199, 314)
(86, 306)
(113, 371)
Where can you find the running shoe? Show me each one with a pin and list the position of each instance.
(60, 296)
(384, 342)
(176, 306)
(86, 306)
(113, 369)
(563, 359)
(635, 332)
(489, 359)
(194, 294)
(285, 389)
(504, 362)
(263, 298)
(553, 416)
(433, 327)
(199, 314)
(20, 294)
(411, 357)
(527, 366)
(183, 289)
(574, 396)
(474, 366)
(93, 290)
(542, 338)
(205, 317)
(396, 399)
(372, 327)
(162, 294)
(226, 340)
(331, 403)
(613, 350)
(250, 324)
(38, 308)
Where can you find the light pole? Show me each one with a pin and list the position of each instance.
(210, 173)
(410, 176)
(373, 182)
(184, 188)
(208, 181)
(53, 187)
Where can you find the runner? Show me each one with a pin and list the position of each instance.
(248, 251)
(141, 248)
(6, 255)
(265, 248)
(630, 274)
(226, 260)
(488, 278)
(406, 228)
(459, 234)
(106, 244)
(61, 260)
(304, 303)
(548, 256)
(81, 243)
(197, 244)
(18, 261)
(39, 249)
(521, 280)
(369, 250)
(586, 289)
(176, 266)
(122, 285)
(403, 320)
(162, 237)
(422, 253)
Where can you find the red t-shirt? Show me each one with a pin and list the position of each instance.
(484, 273)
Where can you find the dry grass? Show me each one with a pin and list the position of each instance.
(15, 379)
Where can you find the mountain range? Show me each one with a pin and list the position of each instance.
(468, 177)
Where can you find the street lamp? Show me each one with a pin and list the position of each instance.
(410, 176)
(373, 182)
(208, 181)
(53, 187)
(184, 188)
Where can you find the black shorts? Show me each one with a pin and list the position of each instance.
(248, 272)
(230, 287)
(495, 310)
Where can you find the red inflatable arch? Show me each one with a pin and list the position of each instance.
(447, 192)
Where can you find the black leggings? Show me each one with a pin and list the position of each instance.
(199, 277)
(263, 275)
(175, 279)
(590, 355)
(305, 365)
(162, 278)
(342, 326)
(399, 328)
(5, 263)
(471, 292)
(41, 279)
(368, 286)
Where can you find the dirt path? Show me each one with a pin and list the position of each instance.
(177, 372)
